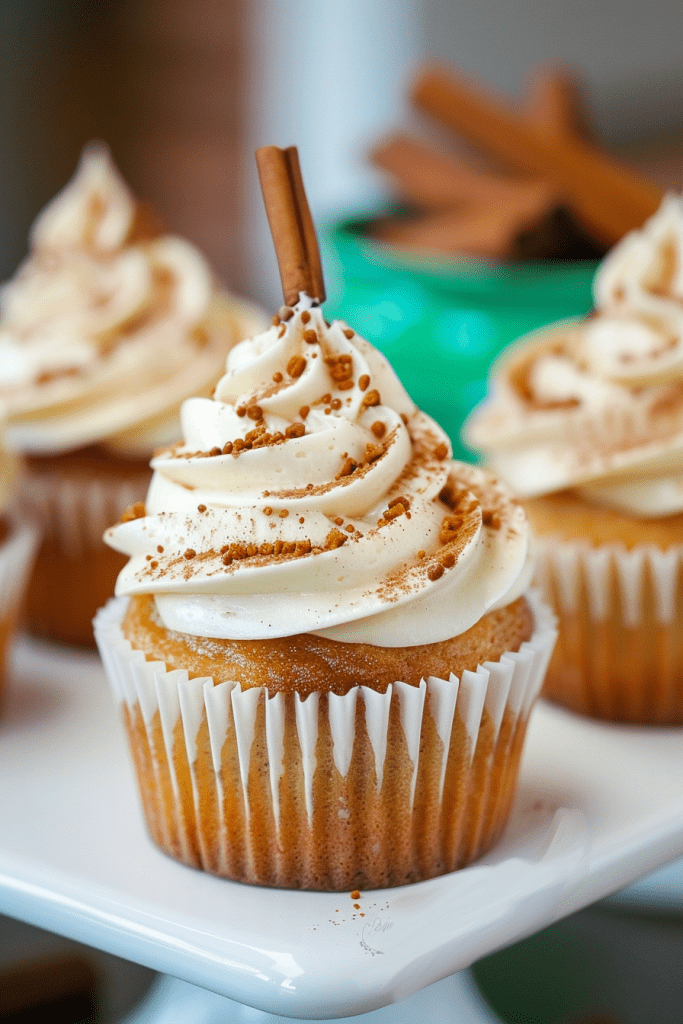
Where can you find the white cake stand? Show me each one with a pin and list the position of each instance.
(598, 807)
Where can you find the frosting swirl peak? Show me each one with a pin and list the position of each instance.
(597, 404)
(108, 324)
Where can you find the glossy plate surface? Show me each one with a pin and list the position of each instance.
(598, 806)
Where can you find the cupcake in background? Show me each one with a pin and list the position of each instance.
(323, 649)
(18, 543)
(104, 329)
(585, 422)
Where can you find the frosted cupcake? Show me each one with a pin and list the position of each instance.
(585, 422)
(322, 648)
(105, 328)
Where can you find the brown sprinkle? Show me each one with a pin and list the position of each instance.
(350, 528)
(441, 451)
(345, 385)
(421, 553)
(435, 572)
(364, 382)
(267, 511)
(201, 508)
(241, 410)
(447, 560)
(216, 450)
(395, 511)
(295, 430)
(378, 428)
(296, 366)
(305, 317)
(339, 521)
(304, 411)
(282, 331)
(227, 448)
(285, 312)
(160, 549)
(334, 539)
(190, 553)
(277, 377)
(275, 321)
(283, 513)
(153, 565)
(449, 529)
(336, 403)
(310, 336)
(254, 412)
(136, 511)
(372, 398)
(348, 333)
(347, 469)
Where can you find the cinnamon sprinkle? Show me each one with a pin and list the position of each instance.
(136, 511)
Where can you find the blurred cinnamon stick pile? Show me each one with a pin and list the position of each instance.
(550, 191)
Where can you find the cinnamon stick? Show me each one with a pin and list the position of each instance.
(555, 102)
(528, 226)
(436, 180)
(291, 224)
(604, 195)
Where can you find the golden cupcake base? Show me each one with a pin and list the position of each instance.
(332, 792)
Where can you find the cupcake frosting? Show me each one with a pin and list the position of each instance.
(108, 324)
(597, 405)
(311, 495)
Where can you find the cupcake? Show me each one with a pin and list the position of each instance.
(585, 423)
(18, 542)
(321, 643)
(105, 328)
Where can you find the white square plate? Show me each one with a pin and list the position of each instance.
(598, 806)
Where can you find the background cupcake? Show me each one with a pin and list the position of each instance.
(105, 328)
(327, 662)
(585, 421)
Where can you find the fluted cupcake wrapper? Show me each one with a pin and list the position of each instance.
(619, 654)
(75, 511)
(328, 792)
(16, 558)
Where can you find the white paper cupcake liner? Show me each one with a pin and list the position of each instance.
(620, 649)
(403, 749)
(17, 552)
(16, 558)
(75, 511)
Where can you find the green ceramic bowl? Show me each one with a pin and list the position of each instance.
(441, 322)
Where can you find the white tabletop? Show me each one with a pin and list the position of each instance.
(598, 806)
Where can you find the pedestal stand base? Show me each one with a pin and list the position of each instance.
(171, 1001)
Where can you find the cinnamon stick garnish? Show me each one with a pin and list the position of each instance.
(606, 196)
(291, 224)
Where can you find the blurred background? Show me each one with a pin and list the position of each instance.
(184, 93)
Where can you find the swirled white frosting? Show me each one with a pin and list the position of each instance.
(310, 495)
(108, 324)
(597, 405)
